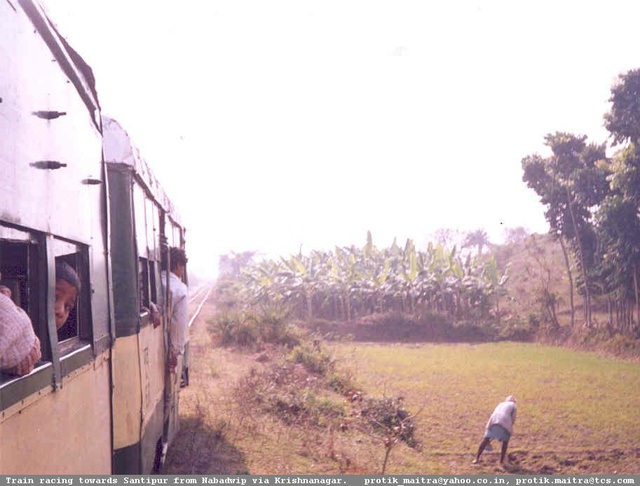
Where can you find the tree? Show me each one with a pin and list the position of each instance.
(232, 263)
(619, 230)
(619, 217)
(623, 119)
(477, 238)
(571, 183)
(515, 235)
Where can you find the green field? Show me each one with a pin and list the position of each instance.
(578, 412)
(571, 405)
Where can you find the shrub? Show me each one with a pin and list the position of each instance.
(472, 331)
(235, 327)
(282, 392)
(340, 383)
(514, 329)
(389, 418)
(275, 327)
(252, 326)
(313, 357)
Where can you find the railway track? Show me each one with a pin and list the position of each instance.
(200, 296)
(198, 291)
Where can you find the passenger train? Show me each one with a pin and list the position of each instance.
(75, 189)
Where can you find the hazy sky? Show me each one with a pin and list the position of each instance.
(275, 124)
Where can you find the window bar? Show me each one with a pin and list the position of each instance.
(51, 317)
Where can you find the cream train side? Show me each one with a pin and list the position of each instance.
(56, 420)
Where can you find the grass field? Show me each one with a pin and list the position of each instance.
(578, 412)
(570, 404)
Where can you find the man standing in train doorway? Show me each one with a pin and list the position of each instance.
(175, 295)
(178, 311)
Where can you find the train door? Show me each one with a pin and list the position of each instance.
(174, 236)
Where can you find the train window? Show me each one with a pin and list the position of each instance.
(19, 272)
(177, 237)
(140, 212)
(28, 261)
(174, 236)
(153, 282)
(147, 284)
(152, 230)
(144, 281)
(72, 296)
(18, 250)
(147, 230)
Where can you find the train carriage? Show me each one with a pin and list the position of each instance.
(143, 224)
(51, 204)
(99, 401)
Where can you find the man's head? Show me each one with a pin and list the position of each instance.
(66, 292)
(178, 261)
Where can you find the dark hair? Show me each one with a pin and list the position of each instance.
(178, 257)
(66, 272)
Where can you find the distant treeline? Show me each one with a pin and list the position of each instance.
(592, 205)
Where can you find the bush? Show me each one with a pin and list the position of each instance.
(228, 294)
(235, 327)
(250, 327)
(313, 357)
(275, 327)
(472, 331)
(284, 392)
(388, 417)
(623, 345)
(515, 329)
(618, 344)
(340, 383)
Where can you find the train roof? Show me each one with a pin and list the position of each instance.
(119, 149)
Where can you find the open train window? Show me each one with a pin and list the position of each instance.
(72, 296)
(144, 280)
(29, 267)
(148, 291)
(147, 235)
(20, 274)
(24, 268)
(18, 254)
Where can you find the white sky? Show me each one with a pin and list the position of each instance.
(275, 124)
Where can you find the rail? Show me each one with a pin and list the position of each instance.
(198, 291)
(206, 290)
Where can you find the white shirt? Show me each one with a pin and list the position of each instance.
(16, 333)
(179, 311)
(504, 415)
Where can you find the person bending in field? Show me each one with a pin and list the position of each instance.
(499, 427)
